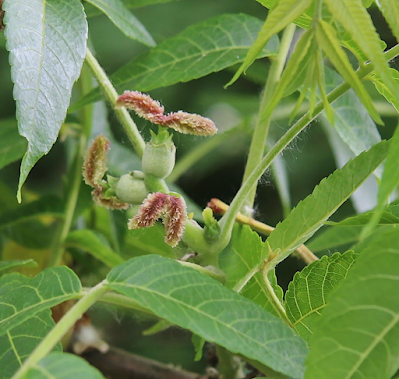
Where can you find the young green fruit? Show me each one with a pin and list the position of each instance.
(159, 156)
(131, 188)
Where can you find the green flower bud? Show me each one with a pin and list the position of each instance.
(159, 155)
(131, 188)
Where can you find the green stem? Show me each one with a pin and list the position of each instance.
(61, 328)
(76, 173)
(229, 366)
(261, 131)
(227, 220)
(110, 93)
(273, 299)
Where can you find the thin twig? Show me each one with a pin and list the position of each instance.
(119, 364)
(219, 207)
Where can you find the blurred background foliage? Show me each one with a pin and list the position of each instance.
(217, 174)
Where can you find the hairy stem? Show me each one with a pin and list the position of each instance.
(228, 219)
(303, 252)
(261, 131)
(61, 328)
(110, 93)
(75, 173)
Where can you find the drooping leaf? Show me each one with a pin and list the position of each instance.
(124, 20)
(348, 230)
(47, 205)
(329, 42)
(241, 260)
(390, 180)
(12, 145)
(307, 294)
(356, 20)
(47, 44)
(351, 119)
(131, 4)
(285, 12)
(364, 198)
(21, 298)
(296, 64)
(390, 10)
(203, 48)
(6, 265)
(327, 197)
(358, 333)
(18, 343)
(384, 90)
(193, 301)
(63, 366)
(88, 241)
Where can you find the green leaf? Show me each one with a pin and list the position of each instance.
(296, 64)
(356, 20)
(21, 298)
(389, 181)
(63, 366)
(390, 10)
(47, 205)
(383, 89)
(203, 48)
(329, 42)
(352, 122)
(358, 333)
(12, 145)
(132, 4)
(193, 301)
(240, 261)
(6, 265)
(285, 12)
(17, 344)
(310, 214)
(198, 343)
(124, 20)
(47, 44)
(88, 241)
(308, 292)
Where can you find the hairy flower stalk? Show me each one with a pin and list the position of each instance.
(170, 208)
(153, 111)
(94, 169)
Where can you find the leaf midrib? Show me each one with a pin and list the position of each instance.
(207, 315)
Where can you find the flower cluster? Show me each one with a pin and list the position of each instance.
(94, 169)
(153, 111)
(170, 208)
